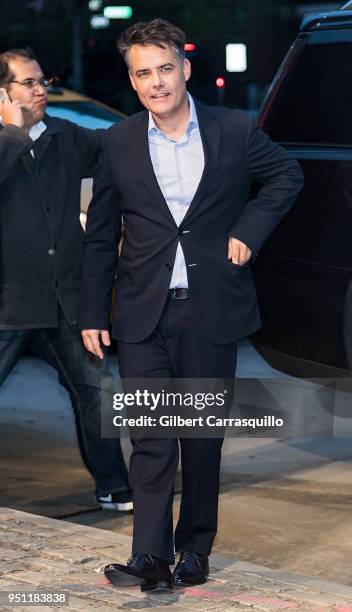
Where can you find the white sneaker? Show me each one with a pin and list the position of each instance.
(121, 501)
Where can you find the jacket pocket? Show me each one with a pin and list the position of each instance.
(240, 266)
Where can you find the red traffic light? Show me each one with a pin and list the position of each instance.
(220, 82)
(190, 47)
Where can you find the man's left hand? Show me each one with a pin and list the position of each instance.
(238, 252)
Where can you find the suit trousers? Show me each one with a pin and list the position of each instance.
(175, 349)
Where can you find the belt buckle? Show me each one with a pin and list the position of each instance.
(182, 294)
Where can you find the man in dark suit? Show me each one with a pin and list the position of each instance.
(42, 162)
(185, 294)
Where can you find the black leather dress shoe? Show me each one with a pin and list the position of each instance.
(191, 568)
(152, 574)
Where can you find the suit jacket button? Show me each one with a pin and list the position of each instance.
(169, 266)
(51, 252)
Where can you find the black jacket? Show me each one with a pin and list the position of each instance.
(41, 238)
(223, 294)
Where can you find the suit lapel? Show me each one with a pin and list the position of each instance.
(29, 162)
(145, 166)
(40, 146)
(46, 144)
(210, 134)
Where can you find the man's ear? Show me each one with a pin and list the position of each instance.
(187, 69)
(132, 81)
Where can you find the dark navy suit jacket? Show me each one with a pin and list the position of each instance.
(222, 294)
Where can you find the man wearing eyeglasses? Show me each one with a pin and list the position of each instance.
(42, 163)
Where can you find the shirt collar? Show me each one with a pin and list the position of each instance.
(36, 130)
(193, 119)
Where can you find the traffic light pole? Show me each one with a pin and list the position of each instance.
(77, 49)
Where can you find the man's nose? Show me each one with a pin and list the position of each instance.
(40, 92)
(156, 79)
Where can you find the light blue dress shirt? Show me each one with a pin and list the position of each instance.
(178, 167)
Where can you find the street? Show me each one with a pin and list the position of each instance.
(284, 504)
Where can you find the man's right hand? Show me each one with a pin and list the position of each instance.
(91, 339)
(11, 112)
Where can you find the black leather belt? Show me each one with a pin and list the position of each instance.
(178, 293)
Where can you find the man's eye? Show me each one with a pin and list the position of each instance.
(166, 69)
(28, 82)
(141, 75)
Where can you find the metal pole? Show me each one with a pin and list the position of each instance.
(77, 51)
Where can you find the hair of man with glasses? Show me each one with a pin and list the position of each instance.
(157, 32)
(11, 54)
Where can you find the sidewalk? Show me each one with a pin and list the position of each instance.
(39, 553)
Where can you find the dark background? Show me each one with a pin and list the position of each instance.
(87, 60)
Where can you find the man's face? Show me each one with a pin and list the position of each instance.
(33, 101)
(159, 78)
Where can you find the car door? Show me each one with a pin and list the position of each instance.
(304, 271)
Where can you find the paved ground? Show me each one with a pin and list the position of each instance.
(284, 504)
(46, 555)
(300, 522)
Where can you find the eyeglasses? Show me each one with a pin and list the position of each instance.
(32, 83)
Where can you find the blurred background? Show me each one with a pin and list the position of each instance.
(284, 503)
(235, 46)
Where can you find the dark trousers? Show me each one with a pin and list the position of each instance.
(175, 349)
(89, 383)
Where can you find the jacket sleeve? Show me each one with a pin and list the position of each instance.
(281, 180)
(14, 144)
(103, 231)
(88, 145)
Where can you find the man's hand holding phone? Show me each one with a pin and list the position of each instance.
(11, 112)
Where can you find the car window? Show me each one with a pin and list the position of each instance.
(313, 104)
(86, 114)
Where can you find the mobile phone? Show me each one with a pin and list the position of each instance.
(4, 95)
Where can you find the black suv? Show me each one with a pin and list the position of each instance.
(303, 274)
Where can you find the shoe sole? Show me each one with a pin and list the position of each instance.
(189, 583)
(115, 506)
(122, 579)
(157, 586)
(118, 578)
